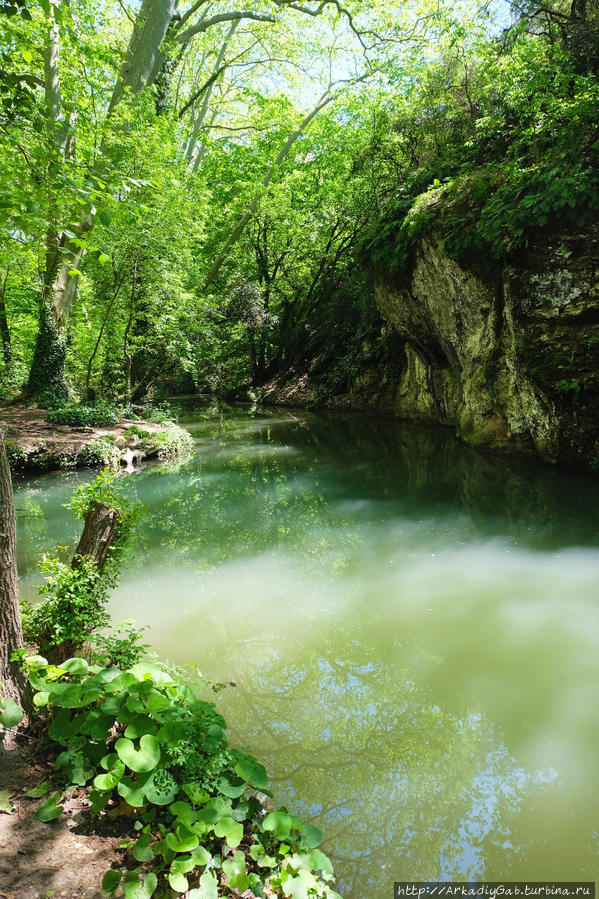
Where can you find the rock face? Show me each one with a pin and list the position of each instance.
(508, 355)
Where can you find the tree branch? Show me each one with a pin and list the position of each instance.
(205, 24)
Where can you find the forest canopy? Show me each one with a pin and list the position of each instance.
(193, 194)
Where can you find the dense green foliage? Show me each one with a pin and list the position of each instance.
(214, 231)
(73, 609)
(145, 741)
(516, 150)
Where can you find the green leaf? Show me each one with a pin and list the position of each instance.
(234, 866)
(111, 881)
(233, 791)
(142, 852)
(184, 812)
(208, 887)
(161, 788)
(75, 665)
(49, 810)
(98, 800)
(253, 773)
(182, 840)
(109, 780)
(201, 856)
(311, 836)
(103, 258)
(133, 888)
(183, 865)
(214, 810)
(231, 830)
(196, 792)
(140, 726)
(6, 805)
(320, 862)
(139, 760)
(132, 791)
(39, 791)
(295, 888)
(279, 823)
(41, 699)
(178, 882)
(10, 713)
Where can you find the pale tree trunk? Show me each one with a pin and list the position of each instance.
(143, 53)
(12, 682)
(60, 288)
(203, 111)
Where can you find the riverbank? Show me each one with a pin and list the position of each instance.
(35, 443)
(66, 859)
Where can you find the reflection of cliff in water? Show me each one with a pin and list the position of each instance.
(422, 469)
(411, 787)
(429, 467)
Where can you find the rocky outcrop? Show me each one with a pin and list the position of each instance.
(508, 355)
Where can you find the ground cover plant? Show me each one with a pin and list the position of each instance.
(145, 744)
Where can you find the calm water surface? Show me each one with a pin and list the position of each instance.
(413, 629)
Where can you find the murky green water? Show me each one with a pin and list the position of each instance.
(413, 629)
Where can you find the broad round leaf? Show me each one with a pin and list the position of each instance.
(161, 788)
(231, 830)
(279, 823)
(233, 791)
(132, 792)
(75, 665)
(10, 713)
(139, 727)
(49, 810)
(111, 880)
(253, 772)
(182, 840)
(178, 882)
(133, 888)
(139, 760)
(142, 851)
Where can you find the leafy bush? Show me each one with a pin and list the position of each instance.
(78, 415)
(120, 646)
(75, 597)
(73, 608)
(145, 743)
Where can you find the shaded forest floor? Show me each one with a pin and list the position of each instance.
(63, 858)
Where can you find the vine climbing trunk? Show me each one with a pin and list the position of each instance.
(64, 256)
(12, 682)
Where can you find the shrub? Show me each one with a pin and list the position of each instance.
(120, 646)
(75, 597)
(144, 741)
(77, 415)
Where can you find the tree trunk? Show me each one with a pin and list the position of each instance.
(60, 289)
(142, 61)
(4, 329)
(12, 682)
(98, 535)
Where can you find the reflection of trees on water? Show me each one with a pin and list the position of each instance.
(297, 481)
(407, 790)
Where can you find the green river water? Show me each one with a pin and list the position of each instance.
(412, 627)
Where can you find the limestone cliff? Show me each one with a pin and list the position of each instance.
(508, 355)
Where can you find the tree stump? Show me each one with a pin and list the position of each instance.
(98, 535)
